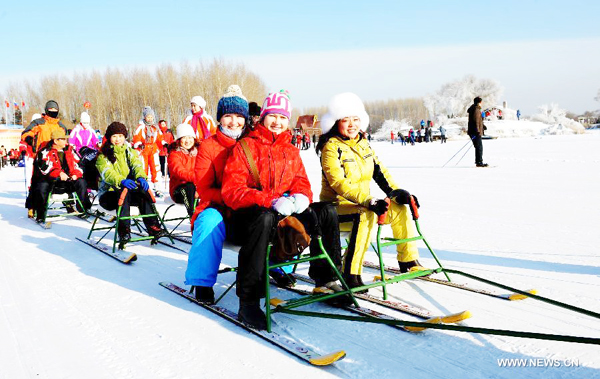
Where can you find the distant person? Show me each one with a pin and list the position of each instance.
(392, 136)
(147, 140)
(401, 138)
(83, 135)
(254, 113)
(443, 134)
(475, 130)
(518, 115)
(168, 139)
(202, 123)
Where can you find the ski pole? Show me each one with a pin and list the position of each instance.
(463, 156)
(459, 150)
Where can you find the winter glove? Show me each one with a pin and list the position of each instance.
(379, 206)
(401, 196)
(283, 206)
(129, 184)
(143, 183)
(301, 202)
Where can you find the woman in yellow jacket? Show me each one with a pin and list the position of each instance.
(349, 165)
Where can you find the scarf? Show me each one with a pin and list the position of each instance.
(198, 120)
(234, 134)
(192, 152)
(151, 133)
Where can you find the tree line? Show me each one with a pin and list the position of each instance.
(119, 95)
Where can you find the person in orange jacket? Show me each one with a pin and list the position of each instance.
(202, 123)
(182, 161)
(146, 139)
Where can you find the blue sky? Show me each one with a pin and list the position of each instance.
(540, 51)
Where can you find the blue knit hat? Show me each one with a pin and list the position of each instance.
(232, 102)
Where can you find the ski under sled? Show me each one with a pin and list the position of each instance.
(118, 254)
(503, 296)
(368, 312)
(286, 343)
(401, 306)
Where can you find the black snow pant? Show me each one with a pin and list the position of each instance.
(254, 228)
(42, 191)
(478, 145)
(163, 167)
(185, 194)
(136, 197)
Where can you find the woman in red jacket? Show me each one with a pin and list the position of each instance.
(284, 190)
(181, 161)
(208, 225)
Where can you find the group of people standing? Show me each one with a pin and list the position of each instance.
(238, 177)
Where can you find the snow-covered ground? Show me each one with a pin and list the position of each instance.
(530, 221)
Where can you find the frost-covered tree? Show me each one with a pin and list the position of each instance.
(455, 97)
(557, 117)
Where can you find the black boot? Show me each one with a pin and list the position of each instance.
(282, 279)
(354, 281)
(251, 314)
(124, 233)
(204, 295)
(332, 287)
(156, 231)
(406, 266)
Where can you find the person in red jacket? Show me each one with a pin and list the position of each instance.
(283, 190)
(182, 159)
(208, 224)
(56, 169)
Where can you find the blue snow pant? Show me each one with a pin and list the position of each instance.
(207, 249)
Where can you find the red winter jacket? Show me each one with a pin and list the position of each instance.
(181, 167)
(279, 166)
(210, 164)
(49, 164)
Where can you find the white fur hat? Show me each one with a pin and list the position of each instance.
(185, 130)
(344, 105)
(199, 101)
(84, 118)
(36, 116)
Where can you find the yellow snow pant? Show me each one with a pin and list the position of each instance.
(362, 223)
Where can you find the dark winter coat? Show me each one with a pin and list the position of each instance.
(475, 127)
(279, 167)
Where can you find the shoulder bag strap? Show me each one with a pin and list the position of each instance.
(251, 163)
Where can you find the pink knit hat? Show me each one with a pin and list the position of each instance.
(277, 102)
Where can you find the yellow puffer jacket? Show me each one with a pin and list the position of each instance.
(348, 168)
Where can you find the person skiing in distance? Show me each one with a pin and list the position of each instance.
(182, 162)
(475, 130)
(120, 167)
(258, 207)
(202, 123)
(349, 164)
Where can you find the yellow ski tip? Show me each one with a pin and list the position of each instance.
(518, 296)
(417, 329)
(328, 359)
(276, 302)
(377, 278)
(319, 290)
(456, 317)
(131, 258)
